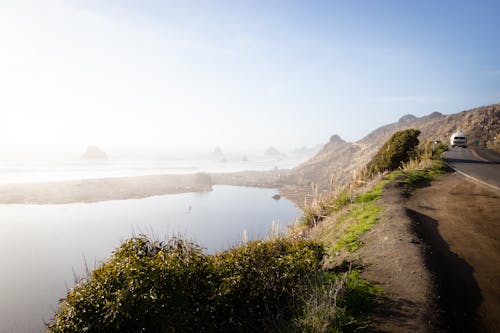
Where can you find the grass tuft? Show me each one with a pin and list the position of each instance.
(337, 303)
(364, 217)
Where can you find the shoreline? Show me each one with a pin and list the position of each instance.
(102, 189)
(138, 187)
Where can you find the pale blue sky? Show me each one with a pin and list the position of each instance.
(243, 74)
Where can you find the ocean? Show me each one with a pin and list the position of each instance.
(22, 170)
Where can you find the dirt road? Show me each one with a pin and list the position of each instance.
(459, 221)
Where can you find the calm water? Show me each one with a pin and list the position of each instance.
(43, 246)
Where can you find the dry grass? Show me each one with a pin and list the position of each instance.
(324, 204)
(417, 164)
(321, 304)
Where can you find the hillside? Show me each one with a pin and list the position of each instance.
(339, 160)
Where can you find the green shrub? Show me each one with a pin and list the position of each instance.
(172, 286)
(438, 149)
(397, 150)
(144, 287)
(261, 281)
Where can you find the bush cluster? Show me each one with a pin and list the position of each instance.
(260, 283)
(397, 150)
(438, 149)
(173, 286)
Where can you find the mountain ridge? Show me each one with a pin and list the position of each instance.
(338, 161)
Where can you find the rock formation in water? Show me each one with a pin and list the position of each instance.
(94, 153)
(271, 151)
(217, 151)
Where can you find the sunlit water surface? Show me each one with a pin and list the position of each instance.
(43, 246)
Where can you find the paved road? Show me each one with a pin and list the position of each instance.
(481, 164)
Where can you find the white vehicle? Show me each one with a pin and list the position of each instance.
(458, 139)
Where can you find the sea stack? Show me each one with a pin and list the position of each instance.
(217, 151)
(94, 153)
(271, 151)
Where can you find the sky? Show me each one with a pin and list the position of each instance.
(242, 74)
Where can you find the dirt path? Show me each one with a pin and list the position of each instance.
(436, 256)
(460, 223)
(394, 259)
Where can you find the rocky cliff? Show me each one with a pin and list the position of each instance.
(336, 163)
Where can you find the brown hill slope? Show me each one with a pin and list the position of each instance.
(335, 164)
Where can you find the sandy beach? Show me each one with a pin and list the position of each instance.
(93, 190)
(120, 188)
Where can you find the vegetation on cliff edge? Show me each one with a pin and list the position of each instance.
(273, 285)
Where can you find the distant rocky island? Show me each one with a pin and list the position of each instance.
(271, 151)
(94, 153)
(217, 151)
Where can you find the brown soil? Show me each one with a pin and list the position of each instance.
(393, 253)
(436, 256)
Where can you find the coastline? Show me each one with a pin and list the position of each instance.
(137, 187)
(102, 189)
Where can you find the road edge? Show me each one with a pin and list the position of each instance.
(469, 176)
